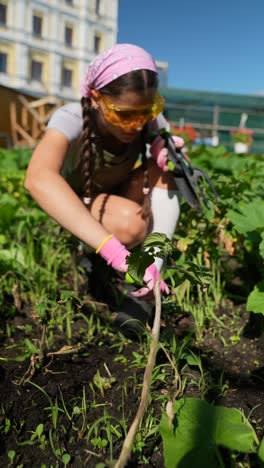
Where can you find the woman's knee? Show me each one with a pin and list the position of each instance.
(132, 229)
(122, 217)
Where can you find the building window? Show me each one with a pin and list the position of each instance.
(68, 36)
(36, 70)
(37, 25)
(67, 75)
(97, 43)
(2, 14)
(3, 62)
(97, 6)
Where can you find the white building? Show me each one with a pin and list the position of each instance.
(45, 46)
(163, 73)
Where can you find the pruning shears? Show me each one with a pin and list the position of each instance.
(187, 177)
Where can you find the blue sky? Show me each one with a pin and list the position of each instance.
(209, 45)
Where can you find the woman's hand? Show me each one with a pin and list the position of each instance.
(116, 254)
(150, 278)
(160, 154)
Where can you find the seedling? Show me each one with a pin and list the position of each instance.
(103, 383)
(11, 455)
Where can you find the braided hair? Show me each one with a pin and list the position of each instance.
(137, 80)
(89, 150)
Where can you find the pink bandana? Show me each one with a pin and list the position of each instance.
(115, 62)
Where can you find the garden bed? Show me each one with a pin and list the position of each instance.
(71, 382)
(230, 374)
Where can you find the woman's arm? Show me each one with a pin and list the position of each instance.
(53, 193)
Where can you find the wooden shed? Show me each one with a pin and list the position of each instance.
(23, 117)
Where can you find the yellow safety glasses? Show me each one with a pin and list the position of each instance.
(128, 118)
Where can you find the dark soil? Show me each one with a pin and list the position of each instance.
(233, 365)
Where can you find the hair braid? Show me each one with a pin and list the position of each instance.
(87, 151)
(146, 208)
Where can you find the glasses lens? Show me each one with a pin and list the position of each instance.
(131, 117)
(158, 105)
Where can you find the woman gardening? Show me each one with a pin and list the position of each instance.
(82, 173)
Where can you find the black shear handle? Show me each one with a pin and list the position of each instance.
(181, 168)
(176, 156)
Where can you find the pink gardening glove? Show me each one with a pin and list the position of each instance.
(160, 154)
(115, 255)
(150, 278)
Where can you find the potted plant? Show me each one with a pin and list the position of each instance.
(242, 139)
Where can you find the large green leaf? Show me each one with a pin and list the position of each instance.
(8, 165)
(159, 243)
(8, 208)
(138, 261)
(261, 451)
(249, 218)
(196, 274)
(13, 254)
(255, 300)
(155, 245)
(198, 429)
(14, 159)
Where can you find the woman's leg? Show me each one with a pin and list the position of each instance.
(122, 217)
(122, 214)
(165, 207)
(163, 196)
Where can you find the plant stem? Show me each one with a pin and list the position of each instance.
(155, 332)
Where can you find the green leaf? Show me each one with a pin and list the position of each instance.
(39, 430)
(192, 359)
(138, 261)
(249, 218)
(41, 310)
(8, 207)
(67, 295)
(13, 255)
(158, 242)
(8, 164)
(261, 450)
(198, 429)
(3, 239)
(255, 300)
(181, 290)
(11, 455)
(30, 346)
(66, 458)
(196, 274)
(14, 159)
